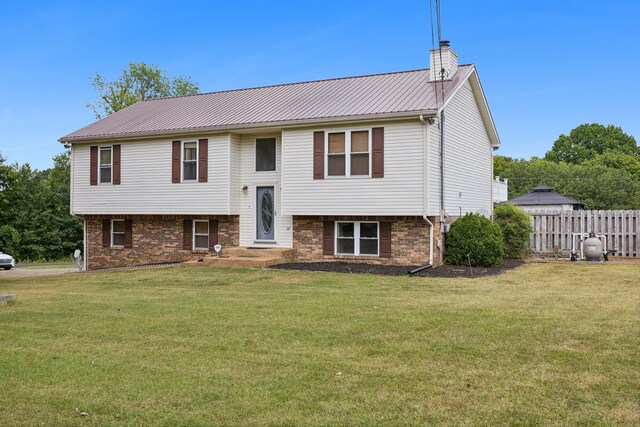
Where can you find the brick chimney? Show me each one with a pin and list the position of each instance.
(447, 67)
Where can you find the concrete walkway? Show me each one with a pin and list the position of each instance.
(22, 271)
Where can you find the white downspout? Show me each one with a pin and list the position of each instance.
(425, 177)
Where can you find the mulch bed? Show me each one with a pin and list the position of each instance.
(397, 270)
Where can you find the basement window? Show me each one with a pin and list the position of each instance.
(357, 238)
(117, 233)
(200, 235)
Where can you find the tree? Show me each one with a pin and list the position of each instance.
(35, 222)
(589, 140)
(136, 83)
(596, 185)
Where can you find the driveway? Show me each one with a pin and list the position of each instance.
(27, 270)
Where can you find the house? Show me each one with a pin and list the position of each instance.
(338, 169)
(543, 198)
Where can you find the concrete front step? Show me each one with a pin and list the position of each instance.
(244, 257)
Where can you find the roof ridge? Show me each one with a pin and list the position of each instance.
(295, 83)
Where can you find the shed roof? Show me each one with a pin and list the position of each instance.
(544, 195)
(361, 97)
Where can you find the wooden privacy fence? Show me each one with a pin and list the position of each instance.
(552, 230)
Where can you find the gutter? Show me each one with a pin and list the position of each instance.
(289, 124)
(425, 177)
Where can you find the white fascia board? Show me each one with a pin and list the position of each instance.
(483, 106)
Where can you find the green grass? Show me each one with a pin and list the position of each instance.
(544, 344)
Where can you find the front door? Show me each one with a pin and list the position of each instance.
(265, 204)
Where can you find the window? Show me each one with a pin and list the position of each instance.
(117, 232)
(105, 165)
(189, 161)
(348, 153)
(265, 154)
(200, 235)
(357, 238)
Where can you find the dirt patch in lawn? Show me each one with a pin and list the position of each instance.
(397, 270)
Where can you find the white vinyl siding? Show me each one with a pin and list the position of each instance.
(235, 184)
(146, 182)
(468, 159)
(247, 199)
(398, 193)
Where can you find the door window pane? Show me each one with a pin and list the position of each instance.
(265, 154)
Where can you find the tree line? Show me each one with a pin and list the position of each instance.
(596, 164)
(35, 222)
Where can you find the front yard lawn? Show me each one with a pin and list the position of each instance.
(542, 344)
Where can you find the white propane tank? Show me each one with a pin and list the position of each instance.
(592, 248)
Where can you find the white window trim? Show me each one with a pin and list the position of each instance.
(113, 245)
(347, 153)
(110, 147)
(194, 234)
(356, 237)
(182, 160)
(255, 154)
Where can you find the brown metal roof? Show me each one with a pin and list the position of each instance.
(349, 97)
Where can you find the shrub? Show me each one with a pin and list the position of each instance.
(516, 227)
(475, 240)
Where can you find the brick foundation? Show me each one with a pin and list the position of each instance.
(409, 240)
(155, 238)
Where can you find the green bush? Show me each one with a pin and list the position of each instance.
(516, 228)
(475, 240)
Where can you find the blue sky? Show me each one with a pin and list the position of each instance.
(546, 66)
